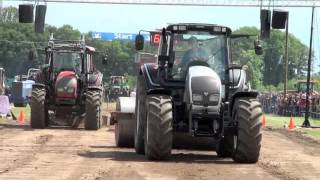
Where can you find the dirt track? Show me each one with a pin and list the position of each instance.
(58, 153)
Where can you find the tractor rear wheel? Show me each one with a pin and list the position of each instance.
(93, 110)
(39, 112)
(247, 141)
(140, 116)
(158, 132)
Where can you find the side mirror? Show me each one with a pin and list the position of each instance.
(258, 47)
(105, 59)
(139, 43)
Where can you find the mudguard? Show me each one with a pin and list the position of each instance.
(251, 94)
(150, 73)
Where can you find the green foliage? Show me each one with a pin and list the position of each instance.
(266, 72)
(132, 81)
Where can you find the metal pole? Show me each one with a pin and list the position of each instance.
(286, 59)
(306, 122)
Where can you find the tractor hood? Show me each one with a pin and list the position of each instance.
(203, 88)
(66, 85)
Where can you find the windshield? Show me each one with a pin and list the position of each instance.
(117, 81)
(200, 48)
(67, 61)
(303, 87)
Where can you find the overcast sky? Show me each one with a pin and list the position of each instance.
(132, 18)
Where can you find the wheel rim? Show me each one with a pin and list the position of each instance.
(138, 117)
(235, 142)
(147, 135)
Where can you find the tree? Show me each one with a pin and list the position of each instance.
(269, 67)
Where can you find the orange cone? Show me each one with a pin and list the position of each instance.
(20, 118)
(264, 121)
(291, 123)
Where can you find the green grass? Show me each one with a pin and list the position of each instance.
(312, 132)
(279, 121)
(2, 120)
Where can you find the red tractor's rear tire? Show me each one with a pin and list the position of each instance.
(39, 112)
(93, 120)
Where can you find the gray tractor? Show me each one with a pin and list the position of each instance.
(196, 88)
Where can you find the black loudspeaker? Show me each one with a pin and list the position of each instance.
(265, 20)
(279, 19)
(40, 18)
(26, 13)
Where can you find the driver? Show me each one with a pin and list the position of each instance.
(194, 53)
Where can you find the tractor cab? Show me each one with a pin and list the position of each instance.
(117, 80)
(117, 87)
(68, 61)
(183, 46)
(69, 56)
(301, 86)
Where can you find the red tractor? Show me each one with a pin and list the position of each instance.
(68, 87)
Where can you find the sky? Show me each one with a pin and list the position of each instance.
(132, 18)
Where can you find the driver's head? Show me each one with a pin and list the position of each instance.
(193, 42)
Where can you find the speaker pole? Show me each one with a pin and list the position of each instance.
(286, 58)
(306, 122)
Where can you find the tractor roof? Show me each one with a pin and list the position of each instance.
(199, 26)
(305, 81)
(69, 45)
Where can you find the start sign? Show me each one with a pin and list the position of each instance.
(117, 36)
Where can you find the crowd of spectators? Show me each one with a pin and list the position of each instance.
(293, 104)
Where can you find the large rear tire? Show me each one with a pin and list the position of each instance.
(93, 120)
(39, 112)
(141, 115)
(247, 141)
(158, 132)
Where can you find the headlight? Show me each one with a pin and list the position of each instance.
(197, 97)
(60, 90)
(70, 90)
(214, 98)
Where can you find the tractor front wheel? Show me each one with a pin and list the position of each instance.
(247, 140)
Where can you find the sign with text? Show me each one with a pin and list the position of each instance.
(117, 36)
